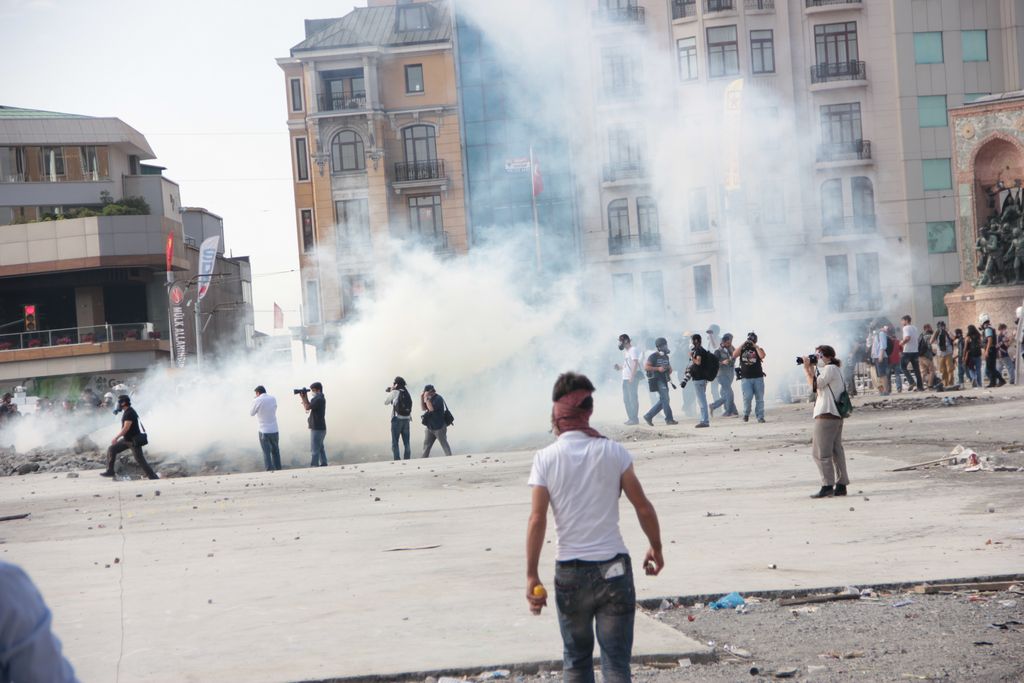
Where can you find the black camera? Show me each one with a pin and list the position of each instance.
(812, 358)
(739, 373)
(301, 391)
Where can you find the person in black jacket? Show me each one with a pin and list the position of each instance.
(128, 437)
(435, 420)
(703, 369)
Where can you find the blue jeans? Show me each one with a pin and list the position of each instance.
(961, 369)
(631, 399)
(974, 370)
(584, 599)
(1006, 363)
(400, 428)
(753, 388)
(316, 447)
(728, 399)
(271, 451)
(662, 404)
(700, 387)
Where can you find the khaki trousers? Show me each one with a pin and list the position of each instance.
(827, 451)
(946, 368)
(927, 372)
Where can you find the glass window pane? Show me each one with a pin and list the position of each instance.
(936, 174)
(972, 96)
(939, 293)
(702, 288)
(414, 78)
(975, 45)
(941, 237)
(931, 111)
(928, 47)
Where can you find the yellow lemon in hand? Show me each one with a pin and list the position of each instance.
(539, 591)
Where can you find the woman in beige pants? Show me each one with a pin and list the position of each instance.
(826, 381)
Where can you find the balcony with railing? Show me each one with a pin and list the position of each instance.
(838, 226)
(627, 244)
(624, 170)
(684, 9)
(628, 15)
(854, 150)
(69, 341)
(853, 70)
(759, 5)
(712, 6)
(416, 171)
(832, 4)
(348, 101)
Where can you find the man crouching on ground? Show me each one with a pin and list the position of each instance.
(581, 476)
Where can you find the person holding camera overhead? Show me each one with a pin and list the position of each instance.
(826, 380)
(316, 406)
(435, 419)
(751, 375)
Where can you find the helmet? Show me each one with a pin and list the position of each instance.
(983, 318)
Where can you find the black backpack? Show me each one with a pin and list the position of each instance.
(709, 365)
(403, 406)
(890, 346)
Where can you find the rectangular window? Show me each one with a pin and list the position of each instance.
(90, 163)
(928, 47)
(931, 111)
(975, 45)
(308, 234)
(312, 303)
(936, 174)
(413, 78)
(687, 49)
(869, 281)
(620, 71)
(296, 93)
(653, 296)
(941, 237)
(841, 123)
(699, 210)
(723, 52)
(425, 215)
(413, 18)
(52, 161)
(301, 159)
(973, 96)
(353, 222)
(837, 276)
(778, 272)
(939, 293)
(12, 167)
(702, 292)
(836, 43)
(622, 291)
(762, 51)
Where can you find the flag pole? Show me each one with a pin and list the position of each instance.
(533, 199)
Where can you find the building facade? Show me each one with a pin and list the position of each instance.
(376, 157)
(87, 235)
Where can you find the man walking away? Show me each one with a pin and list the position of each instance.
(703, 370)
(401, 415)
(943, 342)
(751, 376)
(725, 378)
(659, 369)
(128, 437)
(581, 477)
(435, 420)
(630, 370)
(911, 354)
(926, 356)
(880, 347)
(989, 340)
(316, 406)
(1007, 357)
(264, 407)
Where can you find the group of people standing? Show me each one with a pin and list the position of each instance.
(715, 361)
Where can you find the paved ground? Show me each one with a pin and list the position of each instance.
(288, 576)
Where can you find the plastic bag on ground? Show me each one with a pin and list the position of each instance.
(729, 601)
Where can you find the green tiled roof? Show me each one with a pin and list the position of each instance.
(366, 26)
(18, 113)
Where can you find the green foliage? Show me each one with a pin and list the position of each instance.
(128, 206)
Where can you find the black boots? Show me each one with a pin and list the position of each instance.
(840, 489)
(827, 492)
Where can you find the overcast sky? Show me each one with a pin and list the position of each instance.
(198, 79)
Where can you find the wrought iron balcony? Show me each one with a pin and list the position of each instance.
(849, 225)
(631, 14)
(625, 244)
(624, 170)
(711, 6)
(342, 101)
(760, 4)
(684, 8)
(411, 171)
(853, 70)
(844, 151)
(826, 3)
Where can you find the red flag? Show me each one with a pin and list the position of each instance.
(170, 250)
(538, 180)
(278, 317)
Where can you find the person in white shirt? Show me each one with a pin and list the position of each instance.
(630, 370)
(911, 343)
(581, 478)
(826, 380)
(401, 415)
(264, 407)
(878, 345)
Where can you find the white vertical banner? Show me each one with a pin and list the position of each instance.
(207, 260)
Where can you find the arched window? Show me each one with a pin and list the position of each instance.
(832, 205)
(347, 152)
(618, 219)
(647, 216)
(863, 203)
(420, 143)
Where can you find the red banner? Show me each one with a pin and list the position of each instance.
(170, 250)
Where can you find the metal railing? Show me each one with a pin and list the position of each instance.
(760, 4)
(826, 3)
(89, 177)
(624, 244)
(684, 8)
(409, 171)
(92, 334)
(440, 241)
(719, 6)
(342, 101)
(623, 170)
(844, 151)
(853, 70)
(630, 14)
(849, 225)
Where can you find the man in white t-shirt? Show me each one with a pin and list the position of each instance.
(264, 407)
(911, 340)
(581, 478)
(630, 370)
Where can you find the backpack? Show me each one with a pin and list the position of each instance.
(709, 365)
(923, 345)
(403, 406)
(890, 346)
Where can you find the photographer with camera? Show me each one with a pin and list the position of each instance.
(264, 409)
(751, 375)
(316, 406)
(826, 380)
(401, 415)
(130, 436)
(630, 370)
(436, 419)
(659, 370)
(726, 375)
(703, 369)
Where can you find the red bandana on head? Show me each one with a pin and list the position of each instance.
(568, 416)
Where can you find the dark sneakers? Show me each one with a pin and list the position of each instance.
(106, 473)
(671, 422)
(701, 425)
(649, 421)
(826, 492)
(840, 490)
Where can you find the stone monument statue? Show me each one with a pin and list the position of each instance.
(999, 245)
